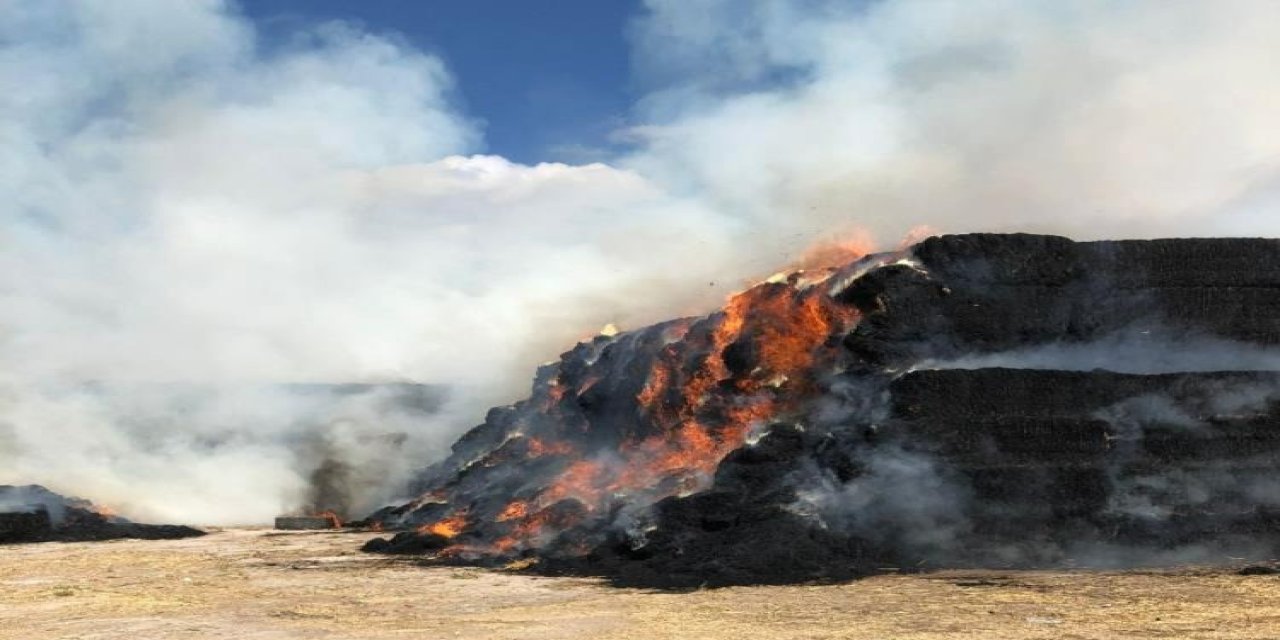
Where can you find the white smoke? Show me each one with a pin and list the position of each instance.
(1092, 119)
(901, 498)
(183, 203)
(1140, 351)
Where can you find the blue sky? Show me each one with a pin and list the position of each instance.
(549, 79)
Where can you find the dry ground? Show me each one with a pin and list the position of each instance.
(249, 584)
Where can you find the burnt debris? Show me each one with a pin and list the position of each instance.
(32, 513)
(975, 400)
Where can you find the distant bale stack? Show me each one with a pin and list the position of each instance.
(32, 513)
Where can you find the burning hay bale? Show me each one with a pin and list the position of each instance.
(984, 399)
(33, 513)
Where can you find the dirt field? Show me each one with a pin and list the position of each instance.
(258, 584)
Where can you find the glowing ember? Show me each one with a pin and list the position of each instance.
(538, 448)
(579, 481)
(517, 509)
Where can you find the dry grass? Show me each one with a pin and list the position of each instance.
(254, 584)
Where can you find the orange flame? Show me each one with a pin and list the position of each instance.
(827, 254)
(916, 235)
(758, 359)
(654, 386)
(554, 394)
(517, 509)
(579, 480)
(104, 511)
(539, 448)
(531, 527)
(786, 328)
(450, 527)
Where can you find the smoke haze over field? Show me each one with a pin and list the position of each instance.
(186, 204)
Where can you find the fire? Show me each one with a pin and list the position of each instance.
(917, 234)
(788, 332)
(700, 386)
(785, 329)
(838, 252)
(554, 394)
(580, 480)
(105, 512)
(692, 450)
(654, 387)
(449, 527)
(332, 517)
(539, 448)
(517, 509)
(533, 527)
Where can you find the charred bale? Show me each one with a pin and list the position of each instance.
(47, 515)
(1157, 461)
(25, 526)
(985, 293)
(407, 543)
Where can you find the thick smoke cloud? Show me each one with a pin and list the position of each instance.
(1092, 119)
(185, 204)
